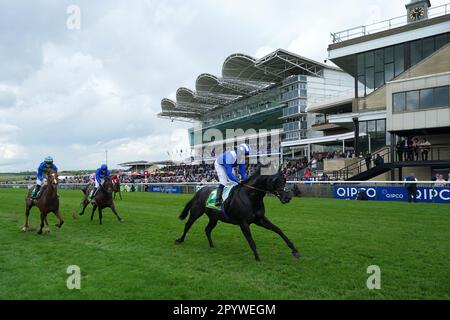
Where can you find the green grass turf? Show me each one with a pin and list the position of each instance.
(338, 240)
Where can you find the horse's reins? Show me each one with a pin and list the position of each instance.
(261, 190)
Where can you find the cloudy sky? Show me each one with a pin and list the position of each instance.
(75, 92)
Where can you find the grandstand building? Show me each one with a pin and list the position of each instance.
(401, 71)
(271, 93)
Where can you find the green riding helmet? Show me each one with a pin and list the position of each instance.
(48, 160)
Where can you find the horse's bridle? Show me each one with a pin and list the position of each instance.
(275, 193)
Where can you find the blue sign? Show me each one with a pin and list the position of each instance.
(165, 189)
(424, 194)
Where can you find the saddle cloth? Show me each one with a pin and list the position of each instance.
(210, 203)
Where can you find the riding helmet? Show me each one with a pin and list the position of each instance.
(104, 167)
(48, 160)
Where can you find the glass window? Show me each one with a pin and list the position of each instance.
(361, 86)
(441, 97)
(399, 61)
(371, 126)
(369, 78)
(379, 79)
(416, 52)
(398, 102)
(426, 98)
(379, 64)
(427, 47)
(388, 72)
(369, 59)
(363, 127)
(381, 126)
(360, 64)
(388, 54)
(412, 100)
(440, 41)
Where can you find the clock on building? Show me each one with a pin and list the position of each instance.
(417, 10)
(416, 13)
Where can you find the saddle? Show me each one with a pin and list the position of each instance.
(210, 202)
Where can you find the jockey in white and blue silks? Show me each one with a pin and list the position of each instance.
(224, 165)
(100, 174)
(45, 167)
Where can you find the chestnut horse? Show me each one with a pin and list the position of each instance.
(47, 202)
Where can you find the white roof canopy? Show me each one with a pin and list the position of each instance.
(242, 76)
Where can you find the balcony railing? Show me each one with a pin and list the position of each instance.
(385, 25)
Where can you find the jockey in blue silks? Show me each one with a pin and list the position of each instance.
(45, 167)
(224, 165)
(100, 174)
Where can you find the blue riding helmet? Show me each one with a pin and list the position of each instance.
(104, 167)
(48, 160)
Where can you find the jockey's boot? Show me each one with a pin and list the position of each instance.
(218, 202)
(92, 194)
(35, 192)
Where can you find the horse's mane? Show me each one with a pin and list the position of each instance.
(256, 176)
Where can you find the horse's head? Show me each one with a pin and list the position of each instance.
(277, 185)
(107, 185)
(52, 178)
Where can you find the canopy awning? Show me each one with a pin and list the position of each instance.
(322, 140)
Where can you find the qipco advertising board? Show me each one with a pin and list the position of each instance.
(424, 194)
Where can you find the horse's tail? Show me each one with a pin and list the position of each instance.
(186, 209)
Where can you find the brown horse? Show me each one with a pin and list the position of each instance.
(103, 199)
(116, 189)
(47, 202)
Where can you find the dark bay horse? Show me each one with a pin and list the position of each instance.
(47, 202)
(116, 189)
(103, 199)
(243, 207)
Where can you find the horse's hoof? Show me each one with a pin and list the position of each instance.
(178, 241)
(121, 221)
(296, 254)
(24, 229)
(39, 232)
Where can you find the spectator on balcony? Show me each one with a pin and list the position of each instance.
(378, 161)
(409, 148)
(416, 148)
(405, 149)
(368, 159)
(425, 147)
(399, 150)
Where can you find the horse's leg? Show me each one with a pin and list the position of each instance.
(113, 208)
(94, 207)
(27, 218)
(85, 204)
(100, 215)
(60, 218)
(265, 223)
(42, 223)
(211, 225)
(196, 212)
(120, 195)
(245, 228)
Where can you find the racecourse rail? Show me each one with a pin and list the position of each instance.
(427, 191)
